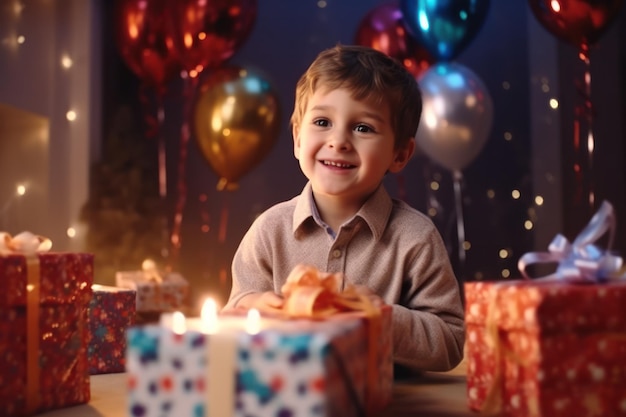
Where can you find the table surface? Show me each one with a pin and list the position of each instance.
(428, 395)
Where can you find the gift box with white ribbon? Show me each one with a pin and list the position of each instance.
(551, 346)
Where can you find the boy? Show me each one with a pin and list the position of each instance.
(355, 117)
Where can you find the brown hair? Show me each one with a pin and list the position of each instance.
(368, 74)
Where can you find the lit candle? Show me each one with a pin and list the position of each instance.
(175, 321)
(208, 317)
(253, 321)
(222, 338)
(179, 324)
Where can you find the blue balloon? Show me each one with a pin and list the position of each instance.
(444, 27)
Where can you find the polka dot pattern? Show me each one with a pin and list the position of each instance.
(299, 367)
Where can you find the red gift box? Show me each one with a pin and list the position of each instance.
(549, 348)
(43, 331)
(111, 312)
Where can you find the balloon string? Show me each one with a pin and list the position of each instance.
(154, 128)
(221, 236)
(590, 138)
(223, 226)
(460, 226)
(162, 153)
(162, 180)
(584, 145)
(181, 183)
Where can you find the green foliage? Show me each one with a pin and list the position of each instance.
(124, 213)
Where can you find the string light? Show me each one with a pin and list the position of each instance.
(71, 115)
(66, 61)
(20, 190)
(17, 8)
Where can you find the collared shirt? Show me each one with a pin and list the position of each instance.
(387, 246)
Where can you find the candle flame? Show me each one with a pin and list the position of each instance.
(179, 325)
(208, 316)
(253, 321)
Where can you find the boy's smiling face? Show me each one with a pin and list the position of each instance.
(345, 146)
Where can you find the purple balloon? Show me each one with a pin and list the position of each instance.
(383, 29)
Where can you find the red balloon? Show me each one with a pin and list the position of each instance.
(144, 40)
(383, 29)
(580, 22)
(208, 32)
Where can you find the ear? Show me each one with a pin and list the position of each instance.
(402, 156)
(295, 130)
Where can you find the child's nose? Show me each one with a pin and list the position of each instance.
(339, 140)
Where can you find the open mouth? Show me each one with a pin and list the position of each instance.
(337, 164)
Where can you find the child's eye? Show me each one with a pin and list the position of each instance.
(363, 128)
(320, 122)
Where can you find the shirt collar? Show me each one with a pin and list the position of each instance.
(375, 212)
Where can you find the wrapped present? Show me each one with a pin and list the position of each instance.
(111, 313)
(43, 326)
(310, 293)
(290, 368)
(156, 291)
(552, 346)
(324, 364)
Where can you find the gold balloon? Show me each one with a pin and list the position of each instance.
(237, 120)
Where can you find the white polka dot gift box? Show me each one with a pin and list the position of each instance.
(553, 346)
(299, 368)
(157, 291)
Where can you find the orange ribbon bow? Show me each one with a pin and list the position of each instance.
(311, 293)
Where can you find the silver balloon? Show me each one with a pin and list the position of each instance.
(457, 115)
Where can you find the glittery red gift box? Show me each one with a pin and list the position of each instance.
(537, 349)
(111, 312)
(58, 342)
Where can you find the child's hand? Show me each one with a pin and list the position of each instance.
(266, 301)
(373, 297)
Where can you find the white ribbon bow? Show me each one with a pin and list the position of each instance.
(24, 243)
(582, 260)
